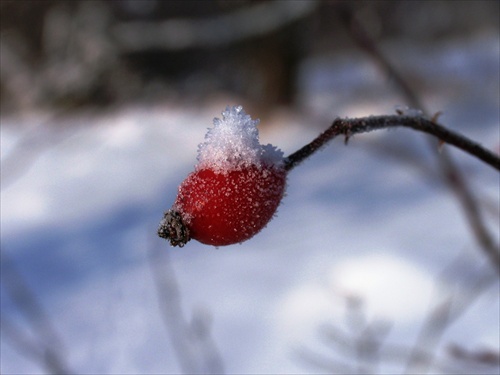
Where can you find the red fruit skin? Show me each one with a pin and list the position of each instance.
(223, 208)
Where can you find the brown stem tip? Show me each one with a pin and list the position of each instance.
(173, 229)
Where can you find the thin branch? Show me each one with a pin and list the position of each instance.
(46, 347)
(366, 43)
(193, 344)
(348, 127)
(451, 174)
(445, 313)
(47, 356)
(387, 352)
(169, 300)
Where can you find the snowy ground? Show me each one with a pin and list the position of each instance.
(80, 221)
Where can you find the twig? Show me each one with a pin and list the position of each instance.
(446, 311)
(363, 39)
(348, 127)
(451, 174)
(46, 348)
(169, 300)
(457, 183)
(193, 344)
(47, 356)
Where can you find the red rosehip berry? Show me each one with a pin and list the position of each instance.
(225, 208)
(234, 191)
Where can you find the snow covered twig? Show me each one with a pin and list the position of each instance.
(348, 127)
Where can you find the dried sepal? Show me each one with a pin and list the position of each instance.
(173, 229)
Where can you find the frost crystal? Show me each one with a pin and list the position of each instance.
(233, 143)
(407, 111)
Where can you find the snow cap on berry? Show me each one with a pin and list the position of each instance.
(233, 143)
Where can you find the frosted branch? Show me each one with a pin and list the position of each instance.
(451, 175)
(349, 127)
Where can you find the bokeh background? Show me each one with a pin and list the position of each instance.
(380, 257)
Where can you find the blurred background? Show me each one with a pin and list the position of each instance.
(64, 54)
(384, 255)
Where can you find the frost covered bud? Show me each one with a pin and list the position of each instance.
(235, 189)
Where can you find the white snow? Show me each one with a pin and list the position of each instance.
(233, 143)
(80, 223)
(376, 279)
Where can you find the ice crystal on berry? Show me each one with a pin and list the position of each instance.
(235, 189)
(233, 143)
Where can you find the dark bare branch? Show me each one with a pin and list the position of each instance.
(451, 175)
(348, 127)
